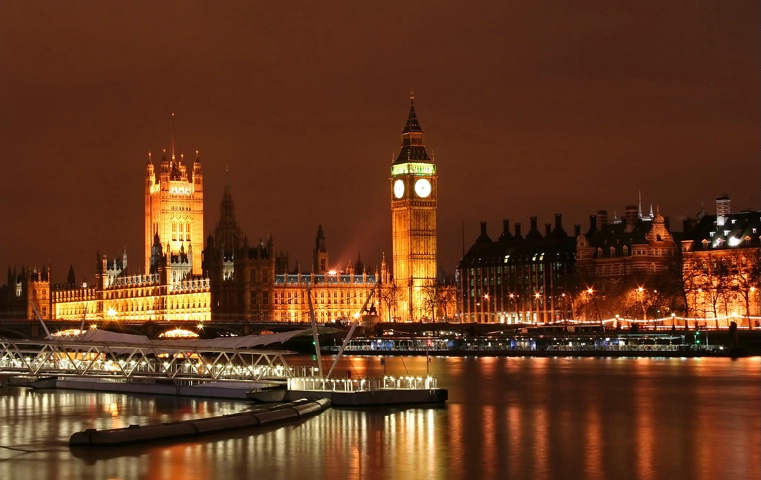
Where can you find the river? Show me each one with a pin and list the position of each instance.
(520, 418)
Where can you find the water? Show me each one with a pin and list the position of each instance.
(519, 418)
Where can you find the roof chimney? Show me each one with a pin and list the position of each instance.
(505, 231)
(722, 209)
(576, 230)
(518, 230)
(483, 237)
(632, 214)
(602, 219)
(547, 229)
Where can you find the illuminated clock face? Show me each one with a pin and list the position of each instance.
(398, 188)
(423, 188)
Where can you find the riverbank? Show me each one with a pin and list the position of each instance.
(550, 341)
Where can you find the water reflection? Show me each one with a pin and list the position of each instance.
(506, 418)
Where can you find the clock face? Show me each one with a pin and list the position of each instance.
(398, 188)
(423, 188)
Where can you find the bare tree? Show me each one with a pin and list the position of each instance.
(713, 282)
(743, 271)
(387, 296)
(430, 296)
(447, 299)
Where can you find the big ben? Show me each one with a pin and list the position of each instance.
(414, 197)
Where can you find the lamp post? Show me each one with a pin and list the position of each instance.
(488, 308)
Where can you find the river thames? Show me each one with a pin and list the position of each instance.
(564, 418)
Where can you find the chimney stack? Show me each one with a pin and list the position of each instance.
(602, 219)
(722, 209)
(632, 214)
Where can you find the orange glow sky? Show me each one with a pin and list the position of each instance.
(531, 108)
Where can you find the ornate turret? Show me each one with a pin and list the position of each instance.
(227, 234)
(320, 257)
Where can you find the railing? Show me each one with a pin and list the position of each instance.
(317, 384)
(129, 361)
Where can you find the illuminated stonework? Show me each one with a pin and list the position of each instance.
(120, 297)
(174, 208)
(720, 267)
(414, 198)
(335, 296)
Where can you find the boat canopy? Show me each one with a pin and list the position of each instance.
(247, 341)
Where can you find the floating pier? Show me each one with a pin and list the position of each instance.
(369, 392)
(191, 428)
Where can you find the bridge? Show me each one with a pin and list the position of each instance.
(176, 361)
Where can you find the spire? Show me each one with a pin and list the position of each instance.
(412, 124)
(413, 144)
(227, 235)
(172, 139)
(639, 209)
(320, 240)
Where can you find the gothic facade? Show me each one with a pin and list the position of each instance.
(254, 283)
(414, 199)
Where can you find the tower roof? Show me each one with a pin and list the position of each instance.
(413, 144)
(412, 124)
(227, 234)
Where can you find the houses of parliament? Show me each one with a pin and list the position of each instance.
(627, 268)
(233, 279)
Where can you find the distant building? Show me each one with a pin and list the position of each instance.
(26, 291)
(720, 265)
(518, 280)
(636, 245)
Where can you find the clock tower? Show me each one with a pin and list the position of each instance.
(414, 197)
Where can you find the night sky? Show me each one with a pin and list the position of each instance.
(530, 108)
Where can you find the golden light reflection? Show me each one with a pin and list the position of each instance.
(593, 447)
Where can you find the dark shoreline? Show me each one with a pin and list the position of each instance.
(544, 354)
